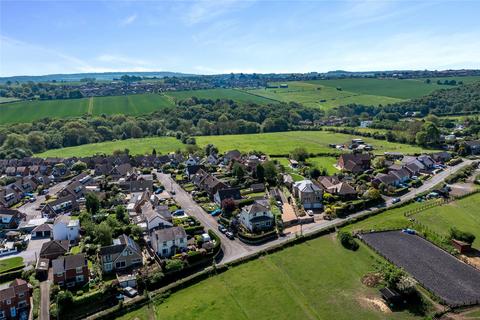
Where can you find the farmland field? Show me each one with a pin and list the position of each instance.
(453, 281)
(307, 281)
(278, 143)
(320, 96)
(26, 111)
(214, 94)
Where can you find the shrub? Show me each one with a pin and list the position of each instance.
(347, 240)
(174, 265)
(245, 202)
(462, 235)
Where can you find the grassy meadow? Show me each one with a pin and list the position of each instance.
(462, 214)
(277, 143)
(320, 96)
(214, 94)
(307, 281)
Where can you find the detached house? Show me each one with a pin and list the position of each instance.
(308, 193)
(230, 193)
(334, 186)
(257, 217)
(124, 253)
(76, 189)
(70, 271)
(354, 162)
(15, 300)
(61, 205)
(10, 218)
(167, 242)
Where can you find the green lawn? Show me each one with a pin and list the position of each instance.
(131, 104)
(10, 263)
(326, 163)
(277, 143)
(320, 96)
(315, 280)
(163, 145)
(284, 142)
(462, 214)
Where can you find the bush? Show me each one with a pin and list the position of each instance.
(462, 235)
(347, 240)
(245, 202)
(174, 265)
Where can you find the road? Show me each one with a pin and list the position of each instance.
(235, 249)
(29, 208)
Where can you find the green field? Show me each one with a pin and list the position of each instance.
(10, 263)
(278, 143)
(318, 279)
(26, 111)
(320, 96)
(163, 145)
(135, 104)
(462, 214)
(214, 94)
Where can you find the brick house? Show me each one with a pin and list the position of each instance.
(70, 271)
(15, 300)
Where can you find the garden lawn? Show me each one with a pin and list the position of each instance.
(318, 279)
(163, 145)
(276, 143)
(326, 163)
(10, 263)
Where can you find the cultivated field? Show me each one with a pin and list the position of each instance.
(278, 143)
(27, 111)
(453, 281)
(307, 281)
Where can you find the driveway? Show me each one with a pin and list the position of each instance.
(44, 300)
(30, 254)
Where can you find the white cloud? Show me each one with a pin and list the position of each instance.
(129, 20)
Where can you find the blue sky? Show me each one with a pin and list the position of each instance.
(221, 36)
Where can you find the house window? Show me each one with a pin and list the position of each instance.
(181, 240)
(21, 295)
(164, 252)
(13, 311)
(9, 302)
(60, 283)
(120, 264)
(164, 243)
(79, 269)
(2, 314)
(79, 278)
(22, 304)
(59, 274)
(125, 253)
(130, 252)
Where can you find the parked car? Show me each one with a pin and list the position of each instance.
(178, 213)
(230, 235)
(310, 213)
(158, 191)
(172, 192)
(222, 229)
(216, 212)
(45, 191)
(396, 200)
(130, 292)
(120, 297)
